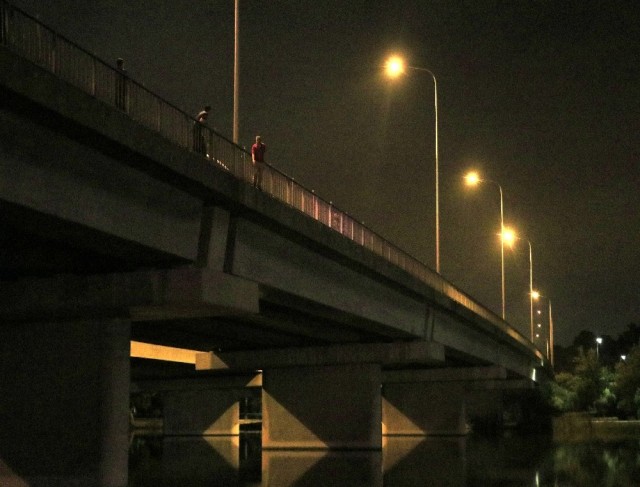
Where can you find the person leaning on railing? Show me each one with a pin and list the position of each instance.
(199, 141)
(257, 158)
(122, 88)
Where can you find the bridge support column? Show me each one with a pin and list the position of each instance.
(325, 407)
(434, 402)
(201, 413)
(424, 408)
(64, 406)
(485, 407)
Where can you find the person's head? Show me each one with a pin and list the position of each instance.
(258, 139)
(202, 116)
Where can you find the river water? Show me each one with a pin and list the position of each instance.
(510, 460)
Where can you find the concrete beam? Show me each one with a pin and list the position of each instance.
(501, 385)
(469, 340)
(405, 353)
(160, 352)
(450, 374)
(149, 295)
(198, 384)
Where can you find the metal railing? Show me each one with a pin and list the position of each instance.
(29, 38)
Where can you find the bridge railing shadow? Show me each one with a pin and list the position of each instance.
(31, 39)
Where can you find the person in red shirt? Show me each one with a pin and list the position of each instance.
(257, 157)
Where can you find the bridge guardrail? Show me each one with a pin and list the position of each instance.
(31, 39)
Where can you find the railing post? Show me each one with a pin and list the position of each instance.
(93, 77)
(158, 115)
(3, 23)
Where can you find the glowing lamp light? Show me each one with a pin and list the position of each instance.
(509, 236)
(535, 295)
(472, 178)
(395, 66)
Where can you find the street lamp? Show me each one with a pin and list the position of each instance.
(531, 291)
(395, 67)
(236, 70)
(536, 295)
(598, 343)
(473, 179)
(530, 287)
(509, 238)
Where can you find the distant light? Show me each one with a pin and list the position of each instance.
(623, 357)
(394, 66)
(535, 295)
(539, 325)
(537, 335)
(599, 340)
(539, 312)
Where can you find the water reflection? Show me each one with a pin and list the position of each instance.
(157, 461)
(321, 468)
(473, 461)
(598, 464)
(425, 461)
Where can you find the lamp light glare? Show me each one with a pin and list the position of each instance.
(472, 178)
(395, 66)
(509, 236)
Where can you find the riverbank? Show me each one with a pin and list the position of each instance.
(578, 427)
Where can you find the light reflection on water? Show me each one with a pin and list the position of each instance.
(473, 461)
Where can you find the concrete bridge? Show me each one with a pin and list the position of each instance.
(132, 259)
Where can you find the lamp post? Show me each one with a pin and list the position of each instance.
(394, 67)
(531, 291)
(530, 287)
(236, 70)
(531, 298)
(598, 343)
(551, 351)
(473, 179)
(535, 295)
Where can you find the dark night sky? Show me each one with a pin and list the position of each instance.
(541, 96)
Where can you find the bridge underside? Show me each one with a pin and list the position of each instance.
(34, 244)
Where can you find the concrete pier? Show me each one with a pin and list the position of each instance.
(64, 412)
(434, 402)
(325, 407)
(323, 397)
(201, 413)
